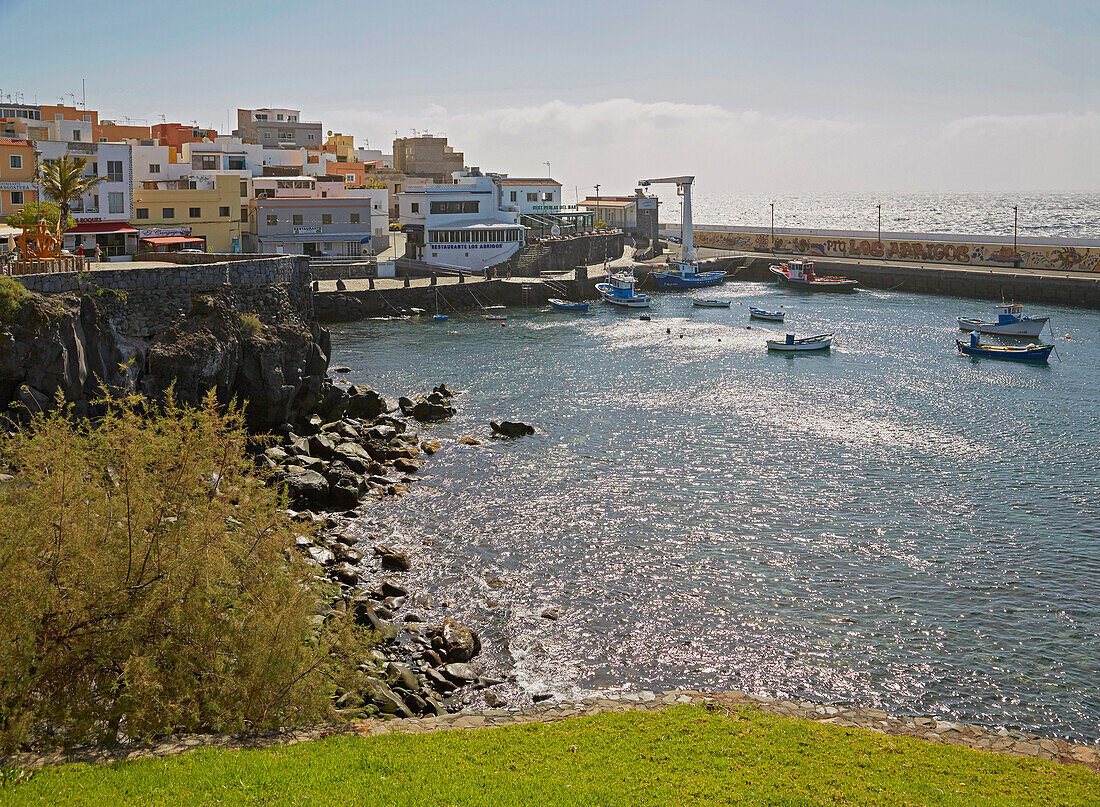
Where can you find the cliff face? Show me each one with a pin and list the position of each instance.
(259, 343)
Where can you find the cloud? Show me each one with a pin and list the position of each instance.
(616, 141)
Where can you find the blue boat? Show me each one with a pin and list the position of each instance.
(567, 305)
(686, 275)
(440, 317)
(760, 313)
(1033, 352)
(619, 290)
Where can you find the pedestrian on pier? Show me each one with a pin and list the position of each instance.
(97, 253)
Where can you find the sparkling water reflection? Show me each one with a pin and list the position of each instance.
(887, 524)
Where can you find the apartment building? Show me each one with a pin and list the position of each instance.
(426, 156)
(17, 186)
(538, 195)
(189, 214)
(176, 134)
(277, 128)
(310, 226)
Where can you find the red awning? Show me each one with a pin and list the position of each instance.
(100, 228)
(172, 239)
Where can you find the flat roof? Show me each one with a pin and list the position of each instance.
(535, 181)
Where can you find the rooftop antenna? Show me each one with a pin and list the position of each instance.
(83, 95)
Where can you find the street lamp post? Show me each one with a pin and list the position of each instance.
(880, 222)
(597, 204)
(1015, 227)
(547, 164)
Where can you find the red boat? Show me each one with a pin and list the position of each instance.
(801, 275)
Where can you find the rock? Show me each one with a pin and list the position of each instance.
(469, 441)
(460, 643)
(321, 555)
(438, 682)
(461, 674)
(341, 369)
(345, 574)
(383, 432)
(494, 701)
(306, 488)
(406, 466)
(433, 706)
(388, 589)
(539, 697)
(430, 447)
(322, 445)
(365, 403)
(386, 699)
(393, 559)
(430, 412)
(296, 446)
(551, 614)
(417, 705)
(277, 454)
(511, 428)
(444, 391)
(403, 676)
(344, 494)
(365, 616)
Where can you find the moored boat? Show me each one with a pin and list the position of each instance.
(440, 317)
(711, 302)
(496, 316)
(1032, 352)
(567, 305)
(819, 342)
(687, 272)
(1010, 322)
(800, 274)
(760, 313)
(619, 290)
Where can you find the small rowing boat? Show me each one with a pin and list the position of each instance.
(644, 317)
(760, 313)
(496, 316)
(711, 302)
(1032, 352)
(567, 305)
(790, 344)
(440, 317)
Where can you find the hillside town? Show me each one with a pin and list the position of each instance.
(279, 184)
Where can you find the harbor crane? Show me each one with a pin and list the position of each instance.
(683, 188)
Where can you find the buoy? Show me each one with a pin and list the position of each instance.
(502, 324)
(681, 336)
(748, 327)
(669, 330)
(719, 340)
(1067, 336)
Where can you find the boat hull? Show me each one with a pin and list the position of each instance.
(693, 280)
(712, 303)
(566, 305)
(635, 301)
(815, 285)
(771, 316)
(783, 347)
(1030, 354)
(1025, 327)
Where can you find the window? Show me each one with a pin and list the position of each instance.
(244, 214)
(272, 221)
(76, 135)
(141, 212)
(297, 218)
(326, 218)
(223, 212)
(204, 162)
(267, 135)
(354, 218)
(292, 118)
(244, 188)
(311, 136)
(114, 170)
(17, 197)
(16, 161)
(87, 118)
(114, 202)
(260, 117)
(514, 196)
(548, 197)
(415, 207)
(154, 168)
(453, 207)
(532, 197)
(279, 116)
(168, 213)
(235, 163)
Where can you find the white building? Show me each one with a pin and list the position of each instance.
(464, 225)
(532, 196)
(102, 216)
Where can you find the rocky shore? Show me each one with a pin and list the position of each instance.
(359, 446)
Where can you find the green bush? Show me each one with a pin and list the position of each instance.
(146, 586)
(12, 296)
(251, 324)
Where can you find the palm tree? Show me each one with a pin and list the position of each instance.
(63, 181)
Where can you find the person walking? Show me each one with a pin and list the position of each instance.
(97, 253)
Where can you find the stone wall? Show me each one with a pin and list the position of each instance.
(561, 256)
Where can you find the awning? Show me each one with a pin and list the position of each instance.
(101, 228)
(171, 239)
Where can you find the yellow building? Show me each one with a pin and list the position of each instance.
(342, 145)
(169, 215)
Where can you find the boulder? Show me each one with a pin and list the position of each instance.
(443, 390)
(322, 445)
(430, 412)
(365, 616)
(364, 402)
(406, 466)
(383, 432)
(460, 643)
(345, 494)
(396, 561)
(403, 676)
(344, 573)
(430, 447)
(320, 555)
(306, 487)
(460, 673)
(386, 699)
(511, 428)
(388, 589)
(469, 441)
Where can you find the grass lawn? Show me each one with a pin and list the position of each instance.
(683, 755)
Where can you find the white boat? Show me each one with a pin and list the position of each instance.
(760, 313)
(1010, 322)
(820, 342)
(704, 302)
(619, 290)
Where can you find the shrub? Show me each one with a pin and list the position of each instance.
(145, 583)
(251, 324)
(12, 296)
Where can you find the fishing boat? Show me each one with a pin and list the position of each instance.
(567, 305)
(619, 290)
(439, 317)
(760, 313)
(1032, 352)
(704, 302)
(496, 316)
(800, 274)
(820, 342)
(645, 318)
(687, 272)
(1010, 322)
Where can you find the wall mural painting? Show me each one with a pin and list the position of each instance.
(1079, 259)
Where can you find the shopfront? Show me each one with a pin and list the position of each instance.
(117, 241)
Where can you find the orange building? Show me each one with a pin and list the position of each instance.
(17, 186)
(176, 134)
(354, 174)
(62, 112)
(110, 131)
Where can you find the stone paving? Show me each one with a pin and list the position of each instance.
(1002, 741)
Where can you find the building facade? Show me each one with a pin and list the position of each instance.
(426, 156)
(172, 209)
(540, 195)
(304, 226)
(17, 185)
(277, 128)
(176, 134)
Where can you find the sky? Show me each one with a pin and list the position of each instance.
(779, 96)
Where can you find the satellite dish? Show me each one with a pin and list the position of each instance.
(555, 231)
